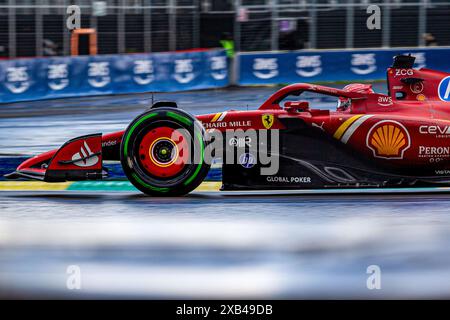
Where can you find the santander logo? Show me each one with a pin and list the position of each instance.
(85, 158)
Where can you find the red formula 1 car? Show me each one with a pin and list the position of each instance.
(371, 140)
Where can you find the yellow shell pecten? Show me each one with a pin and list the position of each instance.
(388, 140)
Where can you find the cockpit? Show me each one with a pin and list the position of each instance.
(304, 97)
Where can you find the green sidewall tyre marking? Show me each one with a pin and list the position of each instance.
(197, 170)
(139, 180)
(127, 138)
(176, 116)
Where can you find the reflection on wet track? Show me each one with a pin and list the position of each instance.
(207, 244)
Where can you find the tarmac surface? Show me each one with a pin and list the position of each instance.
(208, 244)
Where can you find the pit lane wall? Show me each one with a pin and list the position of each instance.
(60, 77)
(262, 68)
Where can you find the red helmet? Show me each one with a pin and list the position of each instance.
(344, 102)
(359, 87)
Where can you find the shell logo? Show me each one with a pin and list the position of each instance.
(388, 139)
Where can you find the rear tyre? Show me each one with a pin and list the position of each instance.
(162, 152)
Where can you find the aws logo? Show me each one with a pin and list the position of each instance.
(385, 101)
(388, 139)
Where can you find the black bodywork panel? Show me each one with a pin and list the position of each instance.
(310, 159)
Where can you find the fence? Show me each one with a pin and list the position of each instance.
(38, 27)
(264, 25)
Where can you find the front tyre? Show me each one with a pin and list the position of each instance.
(162, 152)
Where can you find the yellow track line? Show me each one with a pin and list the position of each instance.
(32, 186)
(209, 186)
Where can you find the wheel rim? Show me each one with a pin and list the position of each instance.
(163, 152)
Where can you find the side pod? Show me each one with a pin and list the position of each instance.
(77, 159)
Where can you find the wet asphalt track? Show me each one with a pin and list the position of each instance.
(208, 244)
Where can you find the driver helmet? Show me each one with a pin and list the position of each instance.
(344, 102)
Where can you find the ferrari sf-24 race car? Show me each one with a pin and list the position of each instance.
(371, 140)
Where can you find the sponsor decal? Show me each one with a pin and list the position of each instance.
(348, 127)
(265, 68)
(98, 74)
(404, 72)
(109, 143)
(388, 139)
(217, 122)
(443, 172)
(267, 120)
(363, 63)
(308, 66)
(385, 101)
(247, 160)
(434, 151)
(397, 87)
(421, 97)
(17, 79)
(230, 124)
(444, 89)
(240, 142)
(219, 69)
(58, 76)
(319, 126)
(434, 154)
(416, 87)
(85, 157)
(184, 71)
(291, 180)
(439, 131)
(143, 72)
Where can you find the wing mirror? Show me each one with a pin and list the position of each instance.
(296, 106)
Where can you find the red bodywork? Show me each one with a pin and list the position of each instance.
(408, 127)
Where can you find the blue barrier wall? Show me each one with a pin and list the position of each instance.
(333, 65)
(47, 78)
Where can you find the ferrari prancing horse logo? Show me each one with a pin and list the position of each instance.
(267, 120)
(388, 140)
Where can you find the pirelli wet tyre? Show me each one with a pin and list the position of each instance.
(162, 152)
